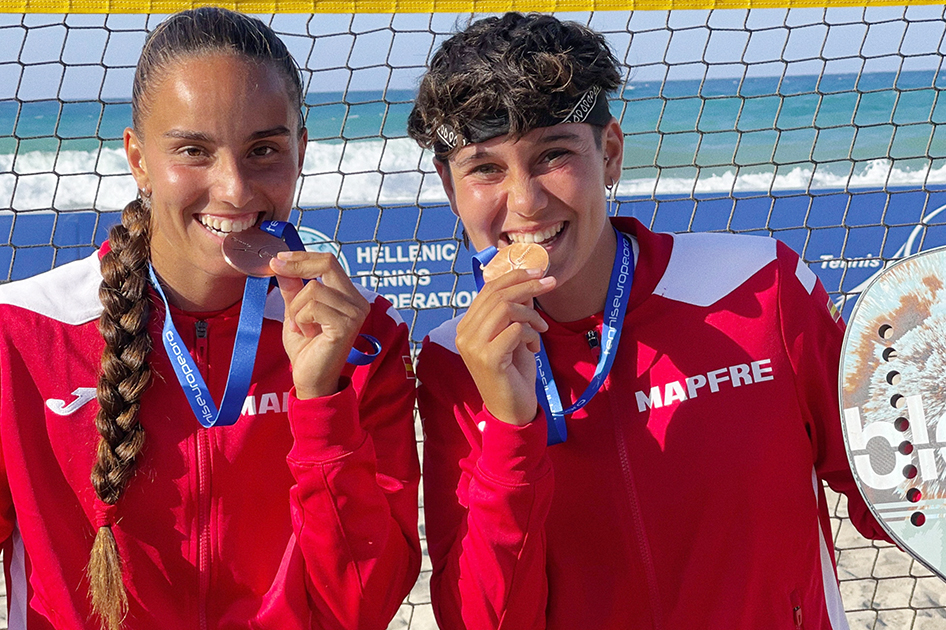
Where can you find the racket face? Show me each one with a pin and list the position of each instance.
(893, 403)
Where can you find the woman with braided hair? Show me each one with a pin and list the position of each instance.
(300, 510)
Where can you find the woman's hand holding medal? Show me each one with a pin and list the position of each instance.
(322, 319)
(499, 335)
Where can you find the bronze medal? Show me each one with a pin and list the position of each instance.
(250, 251)
(517, 256)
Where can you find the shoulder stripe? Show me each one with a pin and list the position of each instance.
(832, 593)
(17, 591)
(805, 275)
(67, 294)
(445, 335)
(705, 267)
(373, 296)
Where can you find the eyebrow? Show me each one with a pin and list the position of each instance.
(477, 155)
(199, 136)
(550, 138)
(558, 136)
(280, 130)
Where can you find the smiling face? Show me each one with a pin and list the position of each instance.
(548, 187)
(219, 149)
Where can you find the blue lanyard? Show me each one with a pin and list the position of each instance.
(241, 364)
(244, 348)
(622, 276)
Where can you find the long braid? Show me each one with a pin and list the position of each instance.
(124, 289)
(125, 377)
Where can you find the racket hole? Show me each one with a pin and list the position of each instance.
(914, 495)
(905, 448)
(893, 377)
(909, 471)
(885, 331)
(897, 401)
(889, 354)
(918, 518)
(901, 424)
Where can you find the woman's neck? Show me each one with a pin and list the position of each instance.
(586, 292)
(193, 290)
(207, 300)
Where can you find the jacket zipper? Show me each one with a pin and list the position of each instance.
(203, 486)
(796, 610)
(594, 343)
(200, 333)
(640, 533)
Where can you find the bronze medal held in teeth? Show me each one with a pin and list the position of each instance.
(516, 256)
(250, 251)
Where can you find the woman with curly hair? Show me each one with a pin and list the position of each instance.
(636, 439)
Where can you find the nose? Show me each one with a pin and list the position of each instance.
(525, 194)
(231, 182)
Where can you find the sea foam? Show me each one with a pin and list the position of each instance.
(394, 172)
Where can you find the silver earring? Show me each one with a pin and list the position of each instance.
(612, 197)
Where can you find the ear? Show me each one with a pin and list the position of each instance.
(446, 179)
(136, 160)
(612, 142)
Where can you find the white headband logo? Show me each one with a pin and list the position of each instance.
(584, 106)
(450, 137)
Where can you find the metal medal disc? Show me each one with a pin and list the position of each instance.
(251, 250)
(516, 256)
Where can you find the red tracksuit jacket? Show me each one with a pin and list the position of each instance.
(688, 493)
(301, 515)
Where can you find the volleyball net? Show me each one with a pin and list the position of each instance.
(816, 125)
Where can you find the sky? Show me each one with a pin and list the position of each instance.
(367, 51)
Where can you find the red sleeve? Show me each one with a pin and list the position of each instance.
(813, 332)
(487, 491)
(354, 505)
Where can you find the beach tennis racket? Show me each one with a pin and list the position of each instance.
(893, 403)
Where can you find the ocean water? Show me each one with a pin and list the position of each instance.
(682, 138)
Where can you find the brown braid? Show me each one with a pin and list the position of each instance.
(124, 289)
(124, 379)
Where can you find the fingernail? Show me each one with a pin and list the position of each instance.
(547, 281)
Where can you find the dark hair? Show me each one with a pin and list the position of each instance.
(209, 30)
(521, 70)
(123, 324)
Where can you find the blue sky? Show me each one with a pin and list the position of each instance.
(678, 45)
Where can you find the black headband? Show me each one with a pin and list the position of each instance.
(591, 108)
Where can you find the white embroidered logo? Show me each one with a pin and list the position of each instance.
(82, 394)
(266, 403)
(677, 391)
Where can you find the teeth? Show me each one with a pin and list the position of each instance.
(535, 237)
(226, 225)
